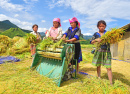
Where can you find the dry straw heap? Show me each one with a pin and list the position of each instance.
(5, 42)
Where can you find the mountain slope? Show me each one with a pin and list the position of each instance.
(13, 32)
(6, 24)
(9, 23)
(87, 37)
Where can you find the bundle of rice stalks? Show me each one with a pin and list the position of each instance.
(30, 38)
(45, 43)
(59, 43)
(19, 47)
(22, 50)
(113, 36)
(20, 44)
(12, 51)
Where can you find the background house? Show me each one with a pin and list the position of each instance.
(121, 50)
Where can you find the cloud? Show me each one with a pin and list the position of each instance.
(21, 24)
(26, 1)
(34, 0)
(30, 1)
(16, 15)
(5, 4)
(95, 10)
(59, 11)
(43, 21)
(65, 21)
(42, 30)
(88, 34)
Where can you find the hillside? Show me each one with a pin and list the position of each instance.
(13, 32)
(6, 24)
(87, 37)
(84, 42)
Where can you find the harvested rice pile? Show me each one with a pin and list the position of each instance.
(19, 47)
(15, 39)
(5, 42)
(21, 43)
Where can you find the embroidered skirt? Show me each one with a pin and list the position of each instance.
(102, 57)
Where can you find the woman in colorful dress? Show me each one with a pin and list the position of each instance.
(55, 32)
(73, 33)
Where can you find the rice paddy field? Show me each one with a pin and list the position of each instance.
(18, 78)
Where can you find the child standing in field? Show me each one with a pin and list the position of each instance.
(38, 36)
(73, 33)
(55, 32)
(102, 56)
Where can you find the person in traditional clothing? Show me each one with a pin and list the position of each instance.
(73, 33)
(102, 56)
(55, 32)
(38, 36)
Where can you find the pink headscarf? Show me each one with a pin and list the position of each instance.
(57, 20)
(74, 19)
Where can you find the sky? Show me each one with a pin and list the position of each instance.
(25, 13)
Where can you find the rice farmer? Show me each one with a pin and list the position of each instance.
(38, 36)
(73, 33)
(102, 55)
(55, 32)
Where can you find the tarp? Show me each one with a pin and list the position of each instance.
(8, 59)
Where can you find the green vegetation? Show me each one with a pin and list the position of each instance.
(84, 42)
(12, 32)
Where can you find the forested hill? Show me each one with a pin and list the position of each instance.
(6, 24)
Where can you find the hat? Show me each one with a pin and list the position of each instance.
(57, 20)
(74, 19)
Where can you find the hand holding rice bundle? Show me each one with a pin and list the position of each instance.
(111, 37)
(48, 41)
(59, 43)
(31, 38)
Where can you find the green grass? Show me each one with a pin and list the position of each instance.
(19, 78)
